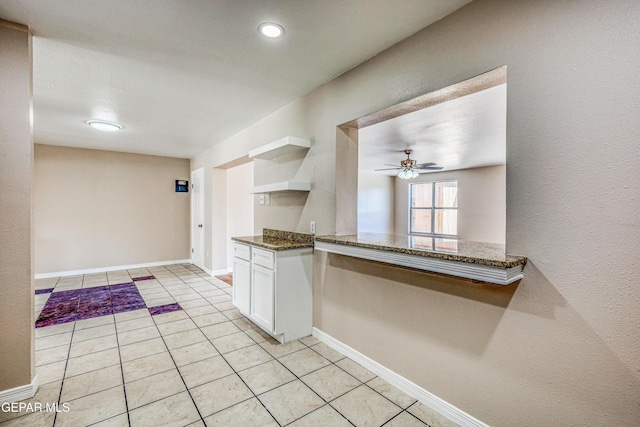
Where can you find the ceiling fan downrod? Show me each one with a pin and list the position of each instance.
(408, 163)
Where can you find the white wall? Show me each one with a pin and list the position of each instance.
(215, 219)
(481, 202)
(376, 203)
(561, 347)
(239, 205)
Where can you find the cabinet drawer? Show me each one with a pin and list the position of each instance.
(263, 258)
(242, 251)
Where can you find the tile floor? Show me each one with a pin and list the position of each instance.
(189, 358)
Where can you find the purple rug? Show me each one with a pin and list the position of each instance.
(161, 309)
(80, 304)
(136, 279)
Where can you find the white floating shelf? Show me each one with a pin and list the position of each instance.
(278, 148)
(280, 187)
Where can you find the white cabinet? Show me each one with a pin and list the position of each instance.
(242, 284)
(274, 289)
(263, 296)
(242, 277)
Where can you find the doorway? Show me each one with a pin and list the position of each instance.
(233, 210)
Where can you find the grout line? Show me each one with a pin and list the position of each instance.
(229, 364)
(176, 365)
(64, 374)
(177, 284)
(327, 402)
(395, 416)
(118, 344)
(124, 386)
(276, 359)
(181, 378)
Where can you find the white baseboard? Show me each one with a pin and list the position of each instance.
(429, 399)
(205, 269)
(114, 268)
(220, 272)
(20, 393)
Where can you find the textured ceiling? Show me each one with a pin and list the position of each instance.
(462, 133)
(182, 76)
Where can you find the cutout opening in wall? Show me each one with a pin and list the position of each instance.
(460, 128)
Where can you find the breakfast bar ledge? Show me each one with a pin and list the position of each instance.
(478, 261)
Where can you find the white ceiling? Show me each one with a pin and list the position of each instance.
(182, 76)
(466, 132)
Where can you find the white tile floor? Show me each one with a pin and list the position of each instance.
(203, 365)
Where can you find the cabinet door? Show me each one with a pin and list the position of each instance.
(262, 296)
(242, 284)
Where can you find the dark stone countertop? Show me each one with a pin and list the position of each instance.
(277, 240)
(482, 253)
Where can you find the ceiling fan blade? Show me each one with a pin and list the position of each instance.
(430, 168)
(424, 165)
(387, 169)
(387, 164)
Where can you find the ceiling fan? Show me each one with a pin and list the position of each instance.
(409, 168)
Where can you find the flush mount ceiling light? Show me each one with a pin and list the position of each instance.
(271, 30)
(104, 125)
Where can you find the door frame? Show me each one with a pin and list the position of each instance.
(194, 173)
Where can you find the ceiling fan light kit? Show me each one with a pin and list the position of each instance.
(408, 173)
(409, 168)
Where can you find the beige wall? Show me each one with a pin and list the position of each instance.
(481, 202)
(96, 209)
(376, 203)
(286, 209)
(561, 348)
(240, 205)
(17, 361)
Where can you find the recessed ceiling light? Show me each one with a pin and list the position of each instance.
(104, 125)
(271, 30)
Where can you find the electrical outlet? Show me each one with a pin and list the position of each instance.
(262, 199)
(312, 227)
(267, 199)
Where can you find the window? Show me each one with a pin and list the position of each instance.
(433, 208)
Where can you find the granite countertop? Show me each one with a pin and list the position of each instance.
(490, 254)
(277, 240)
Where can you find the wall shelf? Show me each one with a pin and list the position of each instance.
(286, 145)
(280, 187)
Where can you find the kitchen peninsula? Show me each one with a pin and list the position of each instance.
(478, 261)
